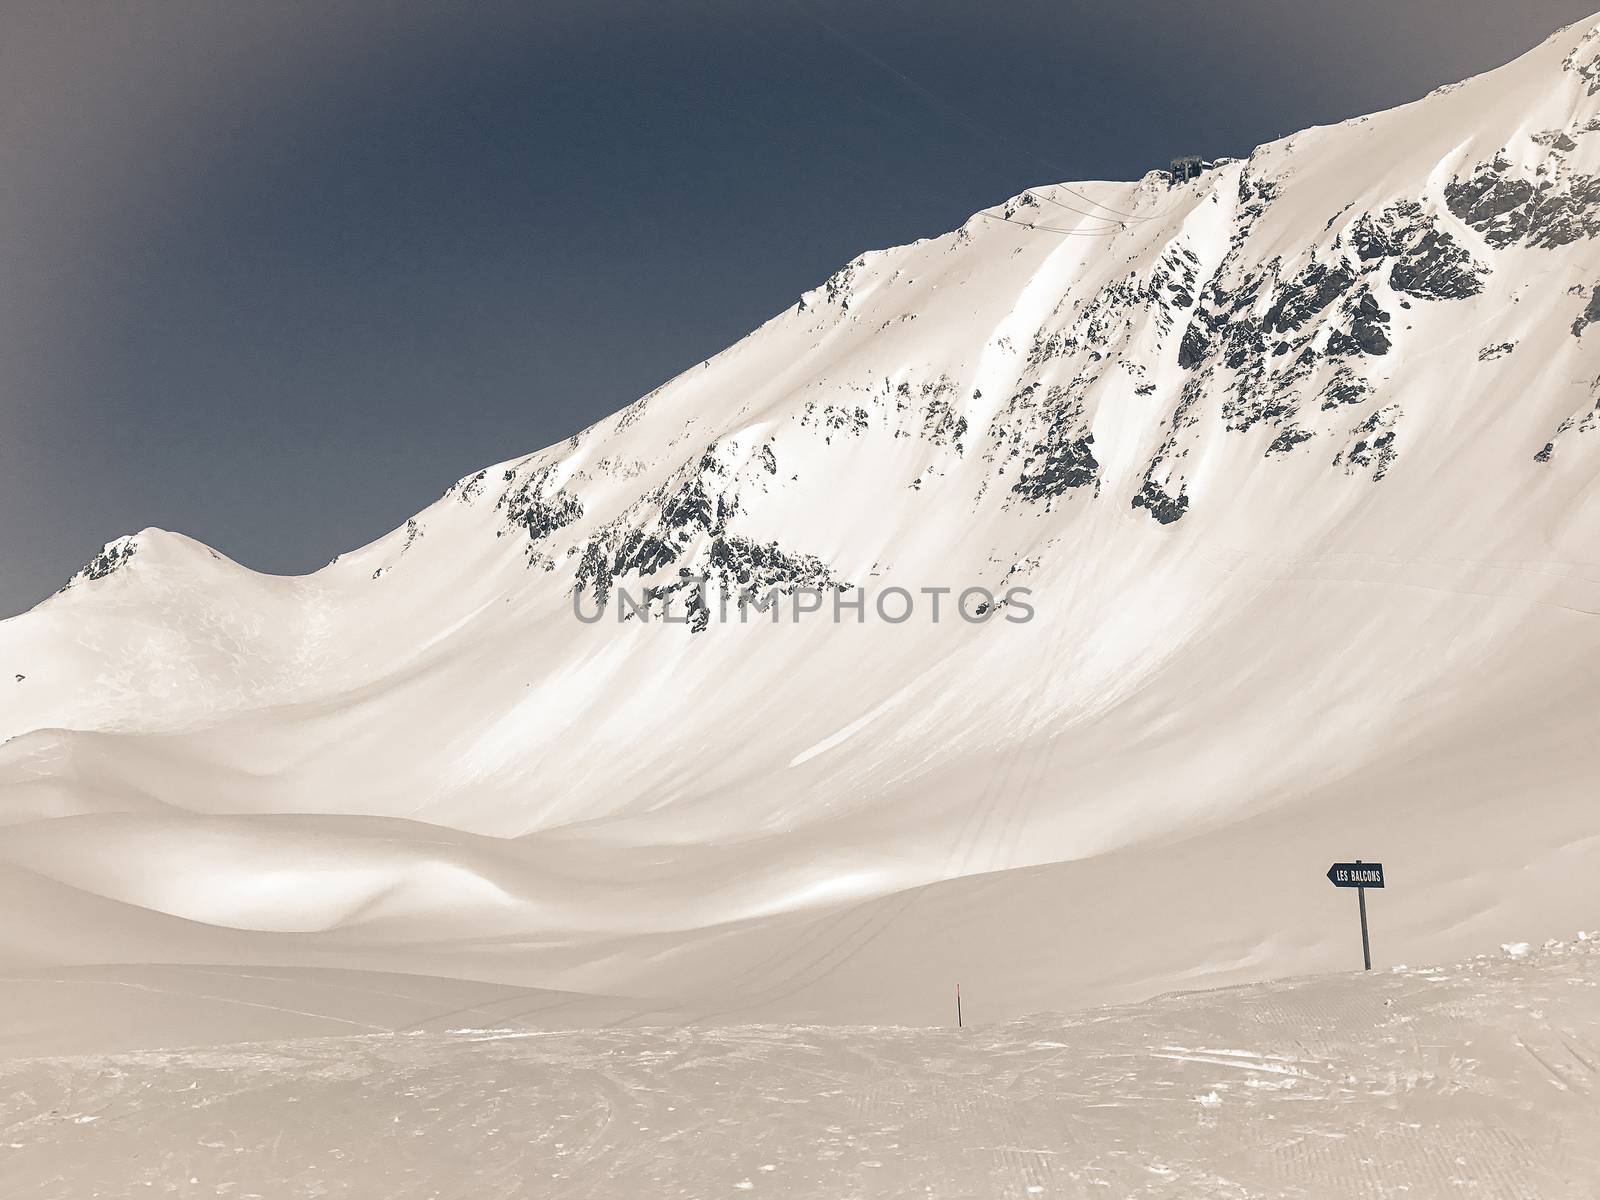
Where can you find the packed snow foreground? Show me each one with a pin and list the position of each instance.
(1474, 1080)
(1293, 465)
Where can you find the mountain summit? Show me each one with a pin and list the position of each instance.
(1291, 460)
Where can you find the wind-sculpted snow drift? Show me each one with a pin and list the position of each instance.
(1295, 458)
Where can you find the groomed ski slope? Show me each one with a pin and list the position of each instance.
(1477, 1079)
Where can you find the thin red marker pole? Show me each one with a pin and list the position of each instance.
(958, 1006)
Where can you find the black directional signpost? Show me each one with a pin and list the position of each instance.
(1359, 875)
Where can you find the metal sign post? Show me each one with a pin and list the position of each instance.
(1359, 875)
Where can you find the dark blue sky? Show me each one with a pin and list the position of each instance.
(274, 275)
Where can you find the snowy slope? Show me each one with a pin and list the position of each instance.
(1295, 457)
(1476, 1079)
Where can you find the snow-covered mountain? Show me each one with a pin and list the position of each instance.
(1296, 459)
